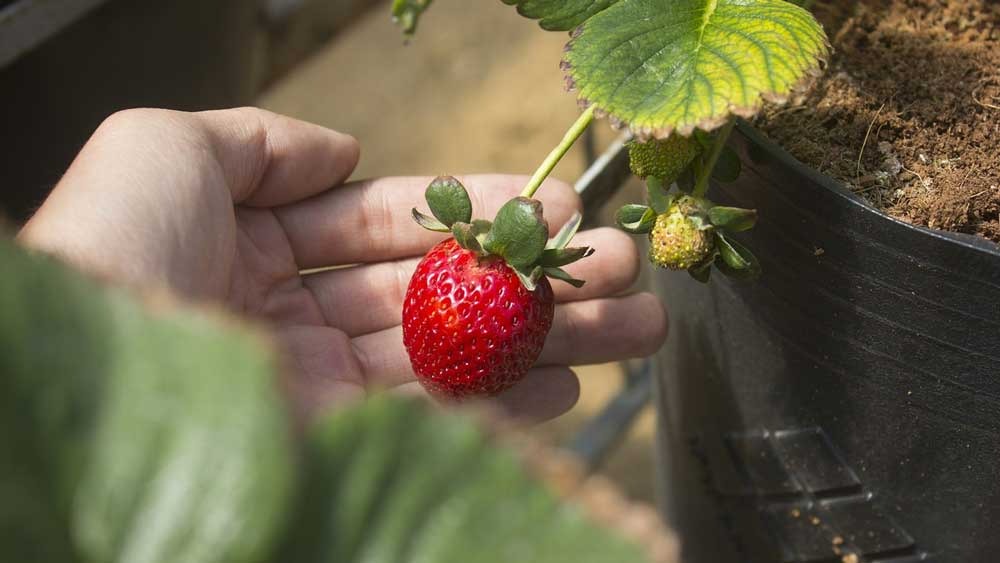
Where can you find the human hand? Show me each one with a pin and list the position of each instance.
(233, 205)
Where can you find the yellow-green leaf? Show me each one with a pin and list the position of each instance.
(661, 66)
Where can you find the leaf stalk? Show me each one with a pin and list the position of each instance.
(705, 173)
(574, 132)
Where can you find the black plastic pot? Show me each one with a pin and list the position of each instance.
(845, 405)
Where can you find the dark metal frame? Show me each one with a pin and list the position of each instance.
(606, 175)
(26, 24)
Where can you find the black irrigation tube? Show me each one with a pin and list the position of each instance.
(603, 178)
(602, 433)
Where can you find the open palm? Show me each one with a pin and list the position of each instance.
(249, 208)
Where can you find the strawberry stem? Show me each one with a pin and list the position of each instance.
(705, 173)
(577, 129)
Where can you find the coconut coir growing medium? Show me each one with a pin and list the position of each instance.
(907, 113)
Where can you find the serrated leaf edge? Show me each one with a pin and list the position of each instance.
(709, 124)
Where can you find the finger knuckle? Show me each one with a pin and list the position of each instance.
(565, 192)
(655, 325)
(133, 118)
(627, 260)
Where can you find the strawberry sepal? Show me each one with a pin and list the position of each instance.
(518, 234)
(449, 201)
(428, 222)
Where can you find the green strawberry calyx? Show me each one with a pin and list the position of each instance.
(518, 234)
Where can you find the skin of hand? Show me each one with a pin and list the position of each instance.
(234, 206)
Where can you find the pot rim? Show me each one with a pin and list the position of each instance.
(972, 242)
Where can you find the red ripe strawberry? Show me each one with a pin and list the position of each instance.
(469, 324)
(478, 307)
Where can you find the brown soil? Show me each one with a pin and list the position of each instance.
(908, 112)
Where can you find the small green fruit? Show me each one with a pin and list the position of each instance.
(680, 239)
(662, 158)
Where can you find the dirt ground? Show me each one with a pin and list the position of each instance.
(476, 91)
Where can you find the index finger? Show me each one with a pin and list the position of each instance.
(270, 159)
(370, 221)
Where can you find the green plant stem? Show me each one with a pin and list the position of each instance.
(579, 126)
(701, 186)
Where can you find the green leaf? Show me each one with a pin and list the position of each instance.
(733, 219)
(396, 480)
(481, 226)
(428, 222)
(705, 139)
(559, 15)
(636, 219)
(406, 13)
(686, 180)
(158, 435)
(465, 236)
(736, 260)
(702, 275)
(727, 168)
(673, 65)
(566, 233)
(562, 275)
(449, 201)
(659, 197)
(529, 277)
(702, 272)
(519, 232)
(555, 257)
(140, 436)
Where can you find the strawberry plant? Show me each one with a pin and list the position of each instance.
(677, 74)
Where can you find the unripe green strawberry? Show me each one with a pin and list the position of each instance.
(662, 158)
(678, 240)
